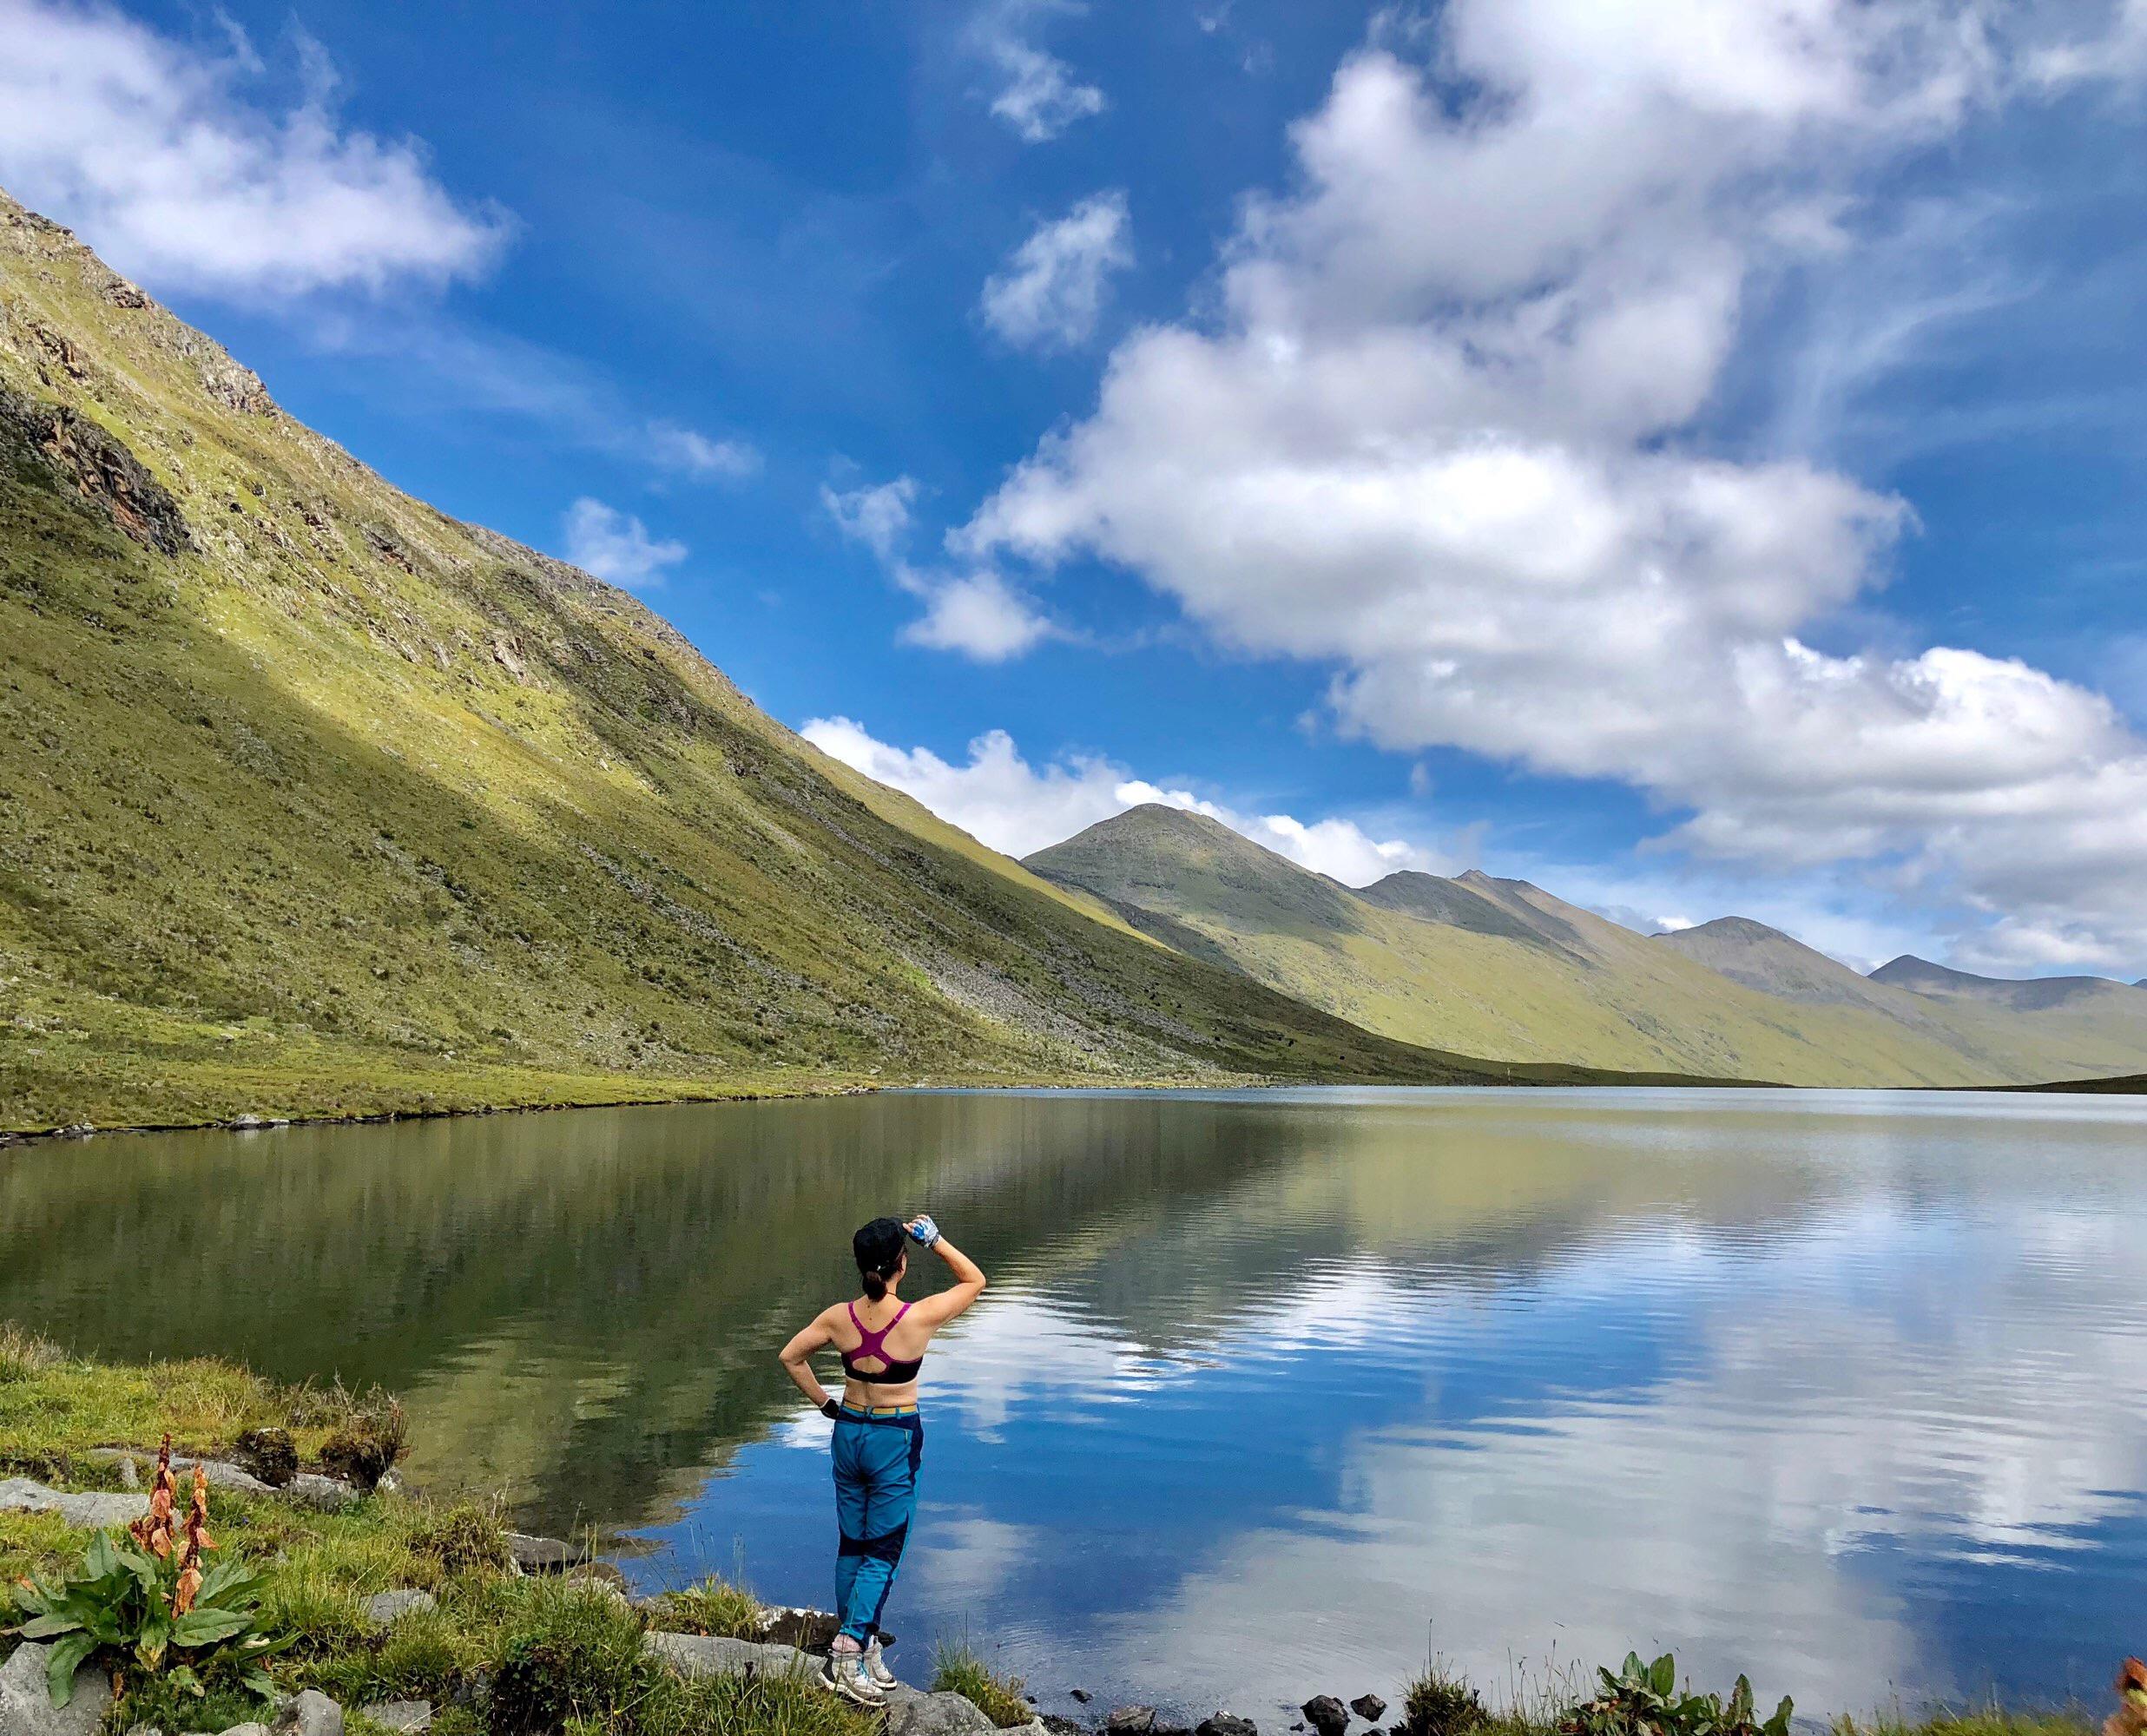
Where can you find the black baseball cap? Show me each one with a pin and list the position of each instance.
(880, 1246)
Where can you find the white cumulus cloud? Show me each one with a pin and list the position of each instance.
(999, 798)
(616, 546)
(181, 166)
(1053, 288)
(1443, 428)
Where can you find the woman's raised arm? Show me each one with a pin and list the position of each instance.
(969, 1282)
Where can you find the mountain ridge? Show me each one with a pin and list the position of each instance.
(1502, 967)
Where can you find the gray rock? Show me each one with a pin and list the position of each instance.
(911, 1712)
(220, 1475)
(309, 1713)
(385, 1609)
(1327, 1714)
(1130, 1720)
(1226, 1724)
(129, 1476)
(1082, 1694)
(413, 1716)
(329, 1494)
(91, 1509)
(710, 1654)
(544, 1555)
(247, 1730)
(26, 1707)
(1368, 1707)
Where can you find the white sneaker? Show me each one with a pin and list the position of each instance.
(844, 1673)
(876, 1665)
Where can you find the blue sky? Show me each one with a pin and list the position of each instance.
(1683, 454)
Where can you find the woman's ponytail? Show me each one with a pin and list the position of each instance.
(879, 1247)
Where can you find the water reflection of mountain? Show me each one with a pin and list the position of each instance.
(581, 1307)
(578, 1304)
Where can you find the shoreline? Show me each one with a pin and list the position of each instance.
(841, 1086)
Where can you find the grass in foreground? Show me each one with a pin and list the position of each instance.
(960, 1670)
(499, 1654)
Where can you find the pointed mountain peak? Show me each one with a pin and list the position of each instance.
(1765, 958)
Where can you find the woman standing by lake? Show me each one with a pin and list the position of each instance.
(879, 1436)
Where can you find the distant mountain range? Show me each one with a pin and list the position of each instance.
(1504, 968)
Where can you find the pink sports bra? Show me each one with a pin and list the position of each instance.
(890, 1372)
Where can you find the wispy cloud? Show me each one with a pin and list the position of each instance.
(974, 612)
(696, 455)
(1039, 95)
(192, 166)
(616, 547)
(1055, 283)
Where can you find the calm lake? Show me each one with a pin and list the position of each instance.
(1272, 1393)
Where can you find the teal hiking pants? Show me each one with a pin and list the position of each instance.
(876, 1459)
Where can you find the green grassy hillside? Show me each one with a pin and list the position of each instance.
(1502, 969)
(315, 800)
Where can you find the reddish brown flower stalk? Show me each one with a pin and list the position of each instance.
(196, 1540)
(153, 1530)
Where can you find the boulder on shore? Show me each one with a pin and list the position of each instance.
(1368, 1707)
(1326, 1714)
(711, 1654)
(26, 1707)
(1226, 1724)
(544, 1555)
(911, 1712)
(1130, 1720)
(92, 1509)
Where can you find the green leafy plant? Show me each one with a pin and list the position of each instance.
(146, 1595)
(123, 1598)
(1643, 1699)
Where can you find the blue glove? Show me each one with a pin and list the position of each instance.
(924, 1232)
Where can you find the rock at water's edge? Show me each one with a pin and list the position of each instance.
(93, 1509)
(913, 1713)
(1368, 1707)
(26, 1707)
(1226, 1724)
(1327, 1714)
(543, 1555)
(1130, 1720)
(710, 1654)
(385, 1609)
